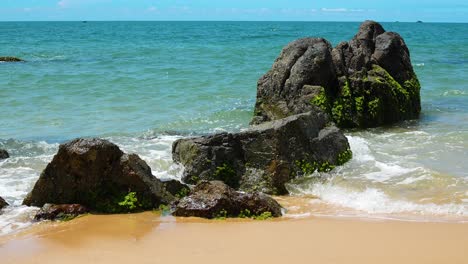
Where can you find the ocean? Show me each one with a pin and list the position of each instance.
(143, 85)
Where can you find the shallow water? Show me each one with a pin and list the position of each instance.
(144, 84)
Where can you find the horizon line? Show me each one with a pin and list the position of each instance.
(143, 20)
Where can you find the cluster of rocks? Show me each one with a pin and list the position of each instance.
(94, 175)
(368, 81)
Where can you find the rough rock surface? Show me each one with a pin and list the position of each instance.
(10, 59)
(60, 212)
(3, 203)
(4, 154)
(97, 174)
(366, 82)
(212, 199)
(176, 188)
(267, 156)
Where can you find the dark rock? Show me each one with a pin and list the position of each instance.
(60, 212)
(3, 203)
(213, 199)
(4, 154)
(267, 156)
(97, 174)
(280, 92)
(176, 188)
(10, 59)
(366, 82)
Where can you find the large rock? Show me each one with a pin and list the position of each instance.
(366, 82)
(60, 212)
(267, 156)
(281, 92)
(4, 154)
(3, 203)
(10, 59)
(97, 174)
(213, 199)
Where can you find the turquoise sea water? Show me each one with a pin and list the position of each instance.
(144, 84)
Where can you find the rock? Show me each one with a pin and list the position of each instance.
(3, 203)
(280, 92)
(10, 59)
(366, 82)
(97, 174)
(214, 199)
(176, 188)
(266, 156)
(60, 212)
(4, 154)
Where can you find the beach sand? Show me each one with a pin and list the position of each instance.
(149, 238)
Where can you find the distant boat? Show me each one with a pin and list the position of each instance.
(85, 21)
(419, 21)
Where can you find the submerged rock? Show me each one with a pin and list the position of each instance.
(366, 82)
(4, 154)
(10, 59)
(214, 199)
(97, 174)
(60, 212)
(3, 203)
(267, 156)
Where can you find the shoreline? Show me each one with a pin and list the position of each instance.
(149, 238)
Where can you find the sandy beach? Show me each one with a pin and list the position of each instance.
(149, 238)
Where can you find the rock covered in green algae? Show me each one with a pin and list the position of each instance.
(97, 174)
(62, 212)
(366, 82)
(215, 199)
(265, 157)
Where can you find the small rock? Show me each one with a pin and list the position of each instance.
(60, 212)
(4, 154)
(10, 59)
(176, 188)
(3, 203)
(214, 199)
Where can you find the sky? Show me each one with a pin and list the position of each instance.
(244, 10)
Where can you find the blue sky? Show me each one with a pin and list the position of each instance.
(302, 10)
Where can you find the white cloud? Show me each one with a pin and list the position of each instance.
(152, 9)
(63, 3)
(342, 10)
(27, 9)
(334, 10)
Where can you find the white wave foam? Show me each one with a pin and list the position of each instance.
(157, 152)
(14, 219)
(454, 92)
(360, 148)
(374, 201)
(386, 171)
(411, 180)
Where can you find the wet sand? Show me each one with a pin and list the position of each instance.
(149, 238)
